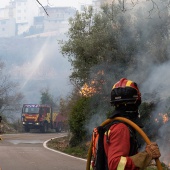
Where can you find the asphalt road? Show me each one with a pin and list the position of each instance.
(27, 151)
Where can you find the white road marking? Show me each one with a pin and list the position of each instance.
(45, 146)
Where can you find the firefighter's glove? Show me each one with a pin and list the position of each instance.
(141, 159)
(153, 150)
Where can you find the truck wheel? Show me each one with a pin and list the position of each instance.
(27, 129)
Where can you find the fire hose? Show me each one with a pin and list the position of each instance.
(136, 127)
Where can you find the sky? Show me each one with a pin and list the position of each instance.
(70, 3)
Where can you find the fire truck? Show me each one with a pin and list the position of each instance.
(42, 117)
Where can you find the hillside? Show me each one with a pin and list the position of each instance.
(36, 63)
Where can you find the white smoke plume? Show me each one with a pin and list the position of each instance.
(158, 81)
(152, 76)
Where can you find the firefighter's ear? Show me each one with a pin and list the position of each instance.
(0, 118)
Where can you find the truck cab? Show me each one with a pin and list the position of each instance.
(36, 116)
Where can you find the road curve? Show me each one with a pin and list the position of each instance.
(25, 151)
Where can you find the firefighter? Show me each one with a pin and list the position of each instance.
(120, 143)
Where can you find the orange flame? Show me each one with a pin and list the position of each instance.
(87, 91)
(91, 88)
(164, 117)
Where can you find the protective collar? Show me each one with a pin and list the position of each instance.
(131, 115)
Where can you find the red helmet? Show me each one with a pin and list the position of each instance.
(125, 92)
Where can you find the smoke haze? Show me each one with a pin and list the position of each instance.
(151, 71)
(36, 64)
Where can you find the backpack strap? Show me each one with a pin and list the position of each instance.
(100, 161)
(134, 144)
(107, 127)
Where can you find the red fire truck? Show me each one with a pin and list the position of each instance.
(42, 117)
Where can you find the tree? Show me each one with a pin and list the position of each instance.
(46, 98)
(95, 39)
(106, 46)
(10, 97)
(77, 121)
(111, 40)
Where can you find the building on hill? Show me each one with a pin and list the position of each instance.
(7, 22)
(39, 23)
(20, 11)
(7, 27)
(57, 18)
(21, 17)
(24, 13)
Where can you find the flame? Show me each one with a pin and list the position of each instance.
(164, 118)
(87, 90)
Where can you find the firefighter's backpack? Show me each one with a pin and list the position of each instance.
(99, 159)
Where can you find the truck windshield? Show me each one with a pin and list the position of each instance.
(31, 110)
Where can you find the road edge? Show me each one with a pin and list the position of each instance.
(45, 146)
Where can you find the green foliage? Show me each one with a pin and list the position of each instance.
(106, 46)
(114, 38)
(78, 151)
(92, 40)
(77, 120)
(46, 98)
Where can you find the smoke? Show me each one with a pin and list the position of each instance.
(47, 69)
(36, 64)
(158, 82)
(149, 69)
(164, 143)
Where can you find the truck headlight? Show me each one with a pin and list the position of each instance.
(37, 123)
(23, 123)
